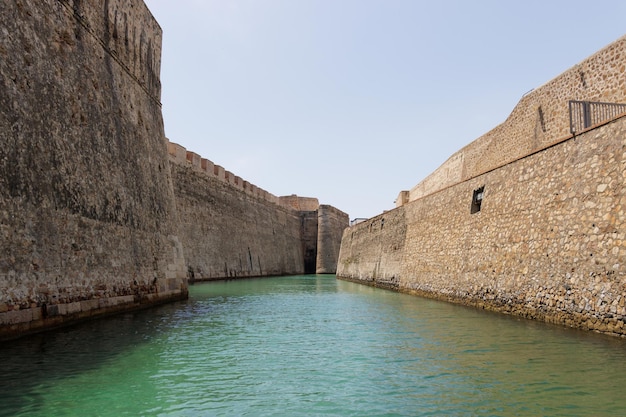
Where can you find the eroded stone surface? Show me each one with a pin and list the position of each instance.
(87, 214)
(549, 242)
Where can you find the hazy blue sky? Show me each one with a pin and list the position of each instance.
(352, 101)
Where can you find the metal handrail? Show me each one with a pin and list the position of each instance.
(585, 114)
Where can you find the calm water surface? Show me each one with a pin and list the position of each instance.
(312, 346)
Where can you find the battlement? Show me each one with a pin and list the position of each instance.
(181, 156)
(232, 228)
(538, 121)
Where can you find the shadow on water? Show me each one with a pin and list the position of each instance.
(30, 364)
(41, 360)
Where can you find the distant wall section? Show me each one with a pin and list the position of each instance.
(372, 251)
(230, 233)
(231, 228)
(331, 224)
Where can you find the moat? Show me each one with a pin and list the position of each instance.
(312, 345)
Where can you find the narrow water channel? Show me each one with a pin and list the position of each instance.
(312, 346)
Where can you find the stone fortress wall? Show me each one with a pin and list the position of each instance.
(539, 120)
(331, 224)
(548, 240)
(88, 223)
(99, 213)
(181, 156)
(231, 228)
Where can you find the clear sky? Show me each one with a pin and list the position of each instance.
(353, 101)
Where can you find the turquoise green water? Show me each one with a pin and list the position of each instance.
(312, 346)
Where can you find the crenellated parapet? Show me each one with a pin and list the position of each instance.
(231, 228)
(181, 156)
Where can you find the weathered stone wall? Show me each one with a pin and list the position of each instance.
(373, 251)
(230, 228)
(540, 119)
(179, 155)
(227, 233)
(331, 224)
(299, 203)
(87, 214)
(548, 243)
(309, 228)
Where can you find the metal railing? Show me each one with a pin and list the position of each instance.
(584, 114)
(357, 221)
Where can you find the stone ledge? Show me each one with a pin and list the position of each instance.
(613, 325)
(17, 323)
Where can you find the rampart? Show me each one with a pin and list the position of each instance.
(96, 216)
(231, 228)
(88, 222)
(331, 224)
(527, 220)
(539, 120)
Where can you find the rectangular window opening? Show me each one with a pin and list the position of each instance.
(477, 199)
